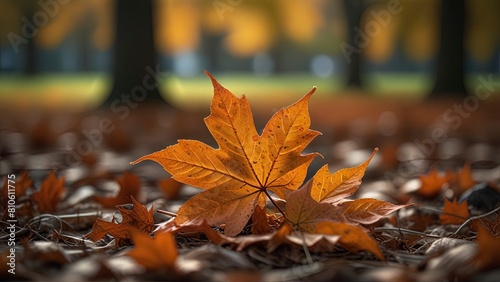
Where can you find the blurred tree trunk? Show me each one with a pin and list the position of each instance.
(212, 44)
(84, 35)
(450, 58)
(30, 64)
(354, 10)
(276, 53)
(135, 61)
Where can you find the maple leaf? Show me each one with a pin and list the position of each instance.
(462, 181)
(22, 184)
(303, 212)
(454, 213)
(432, 183)
(489, 223)
(129, 187)
(170, 188)
(260, 221)
(334, 188)
(48, 197)
(240, 173)
(331, 188)
(137, 218)
(306, 214)
(464, 178)
(155, 253)
(352, 237)
(320, 207)
(489, 247)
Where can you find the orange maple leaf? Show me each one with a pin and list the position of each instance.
(155, 253)
(489, 223)
(331, 188)
(463, 180)
(320, 207)
(454, 213)
(170, 188)
(48, 197)
(129, 187)
(239, 174)
(261, 221)
(137, 218)
(352, 237)
(489, 248)
(432, 183)
(21, 185)
(196, 225)
(305, 214)
(334, 188)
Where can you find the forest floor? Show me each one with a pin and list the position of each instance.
(91, 150)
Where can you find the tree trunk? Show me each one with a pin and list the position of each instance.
(211, 46)
(30, 63)
(354, 64)
(450, 59)
(135, 67)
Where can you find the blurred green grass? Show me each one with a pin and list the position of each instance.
(87, 90)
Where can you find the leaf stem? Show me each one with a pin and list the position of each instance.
(306, 249)
(172, 214)
(276, 205)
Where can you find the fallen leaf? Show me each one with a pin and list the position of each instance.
(170, 188)
(48, 197)
(367, 211)
(239, 175)
(352, 237)
(260, 222)
(444, 244)
(118, 231)
(19, 186)
(196, 225)
(303, 212)
(454, 213)
(330, 188)
(286, 235)
(46, 253)
(159, 252)
(277, 239)
(130, 186)
(432, 183)
(489, 248)
(334, 188)
(452, 262)
(464, 179)
(489, 223)
(137, 218)
(306, 214)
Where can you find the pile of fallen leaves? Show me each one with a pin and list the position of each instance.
(255, 211)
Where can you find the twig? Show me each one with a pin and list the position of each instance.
(438, 211)
(474, 218)
(397, 229)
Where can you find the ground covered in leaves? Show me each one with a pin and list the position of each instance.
(74, 208)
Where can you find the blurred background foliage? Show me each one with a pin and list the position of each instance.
(61, 52)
